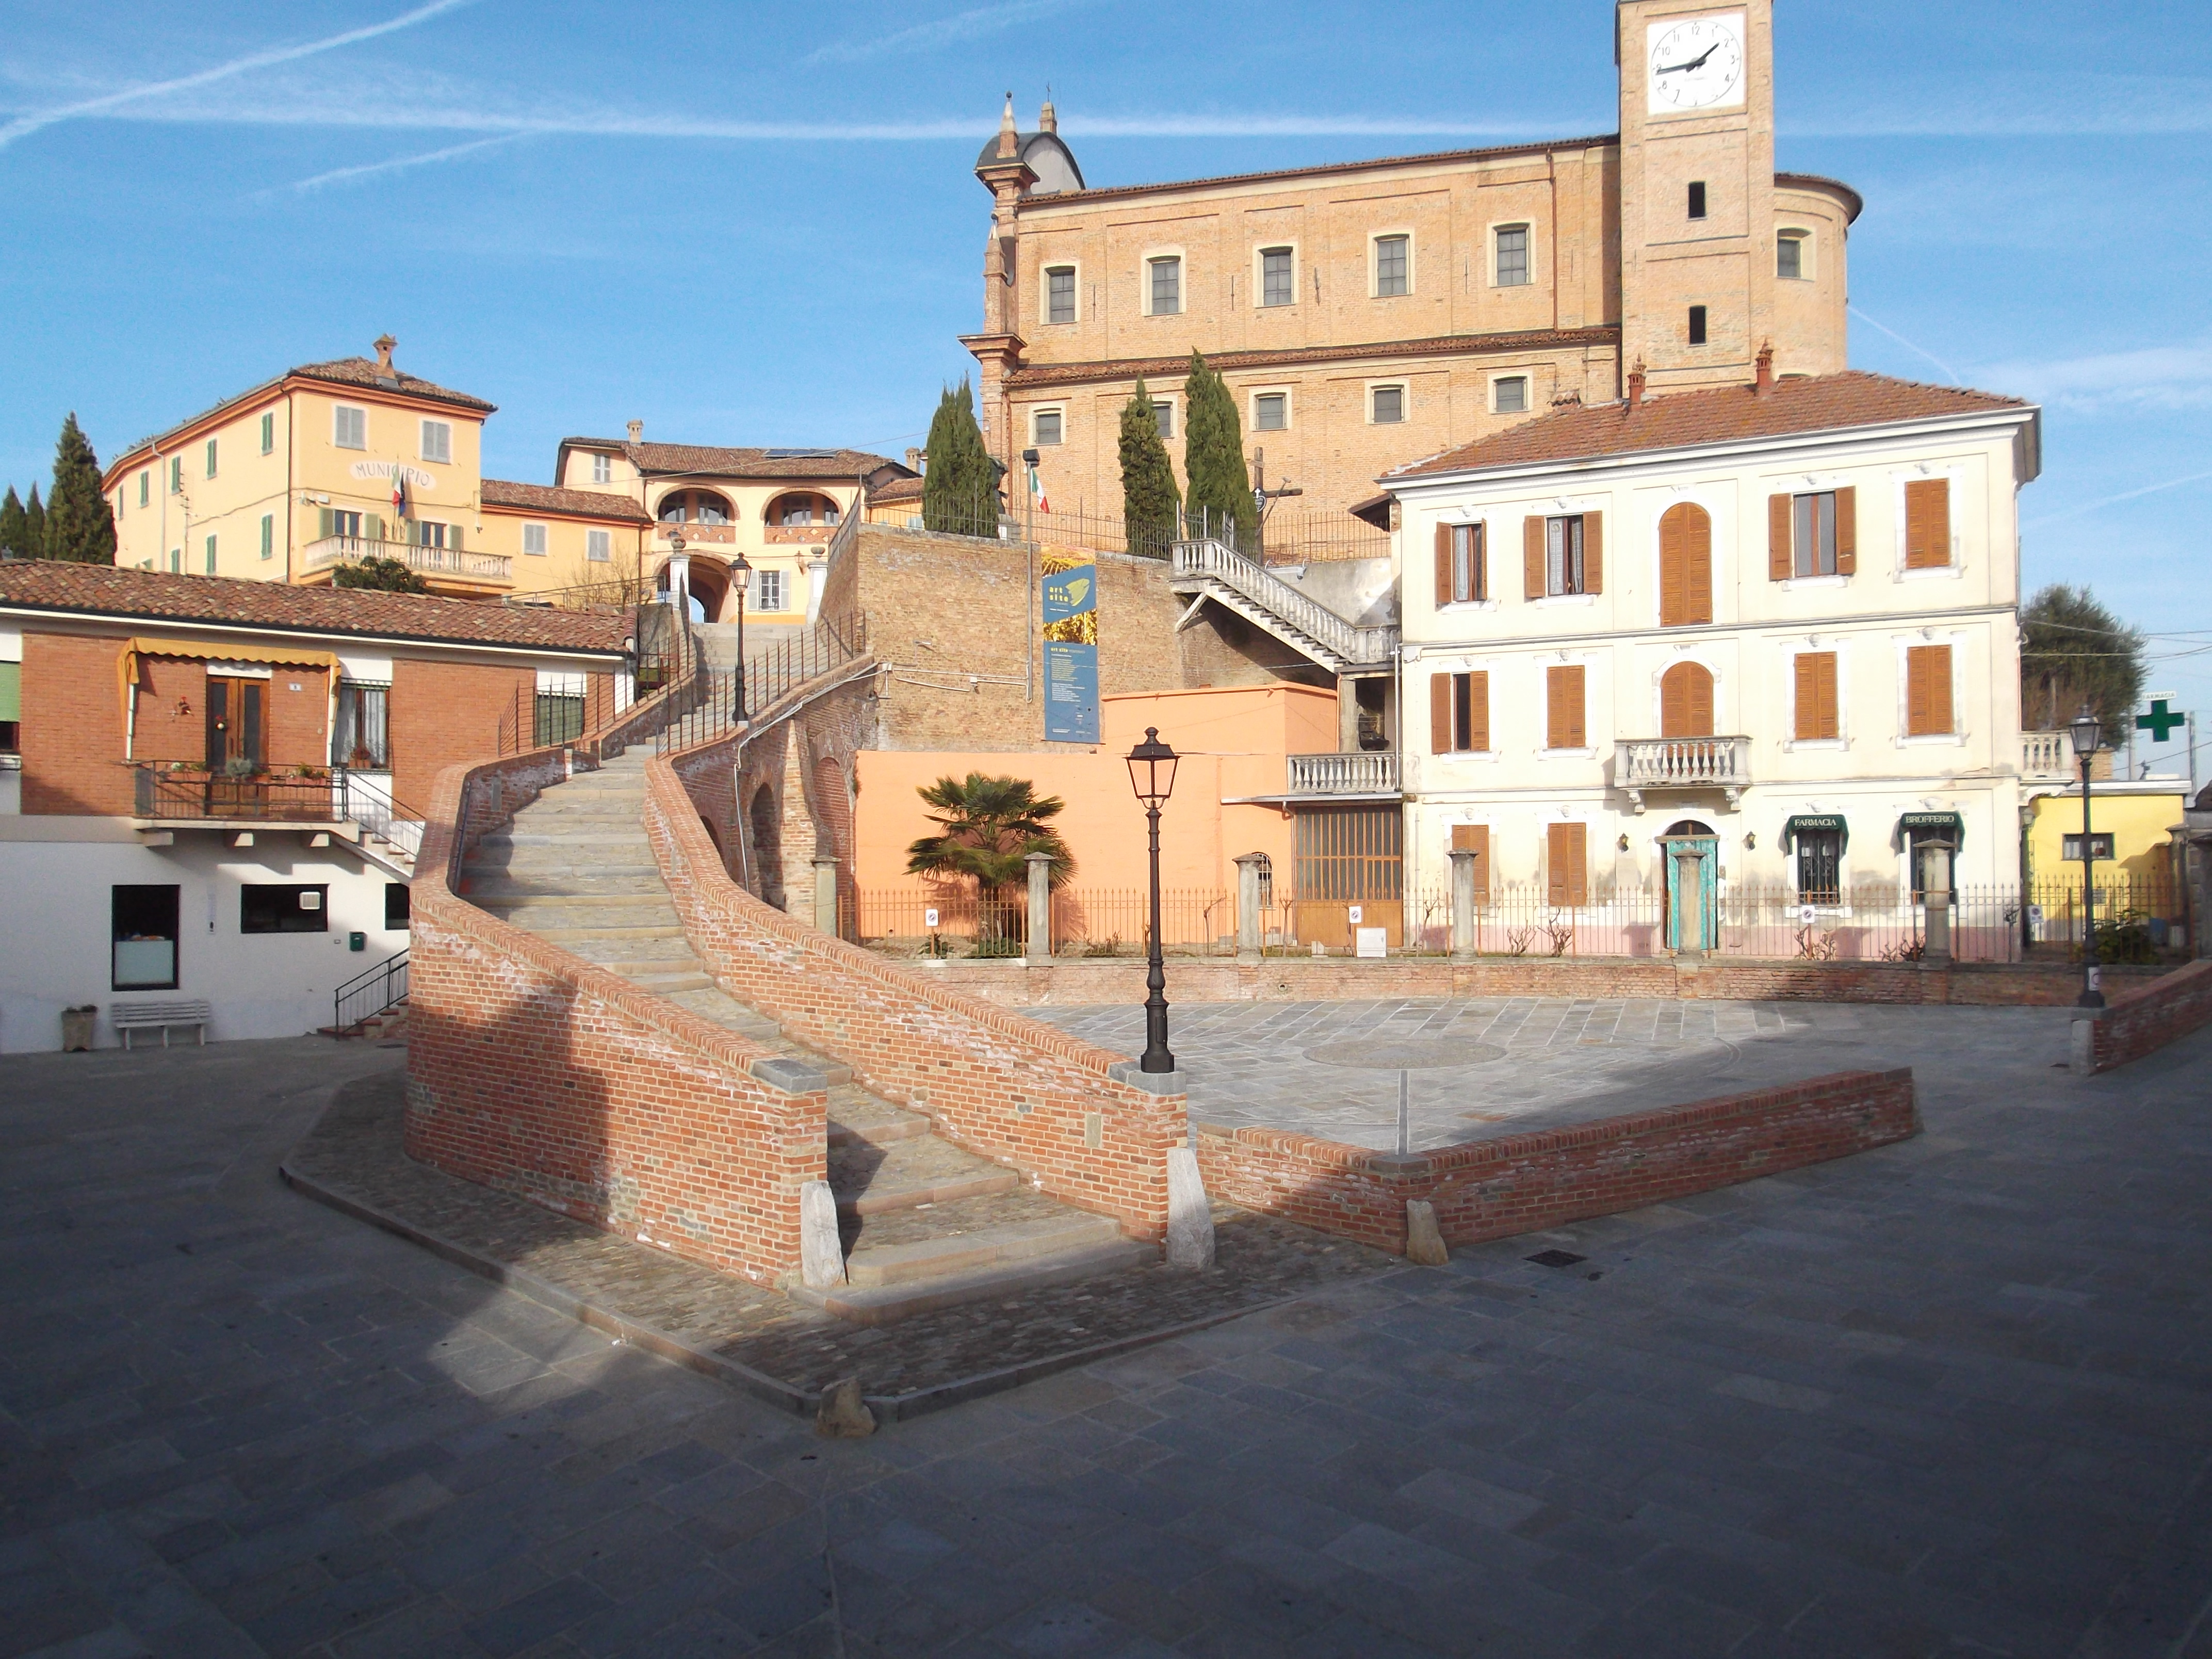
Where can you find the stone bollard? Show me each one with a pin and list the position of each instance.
(1425, 1242)
(1038, 952)
(1249, 921)
(1190, 1217)
(1463, 903)
(821, 1253)
(825, 896)
(843, 1413)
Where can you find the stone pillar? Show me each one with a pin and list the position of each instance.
(1190, 1217)
(1937, 944)
(1251, 921)
(1038, 952)
(825, 896)
(1463, 903)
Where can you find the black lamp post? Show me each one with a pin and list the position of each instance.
(1151, 774)
(742, 574)
(2087, 736)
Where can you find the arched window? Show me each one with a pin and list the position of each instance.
(1686, 566)
(800, 509)
(1686, 702)
(694, 506)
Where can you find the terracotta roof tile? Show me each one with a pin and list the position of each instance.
(546, 498)
(842, 464)
(898, 490)
(1719, 415)
(156, 596)
(362, 372)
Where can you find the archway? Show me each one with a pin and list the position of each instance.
(1686, 566)
(768, 847)
(696, 506)
(1689, 857)
(833, 808)
(710, 580)
(1686, 702)
(800, 509)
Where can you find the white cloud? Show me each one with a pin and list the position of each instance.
(355, 175)
(945, 31)
(2177, 376)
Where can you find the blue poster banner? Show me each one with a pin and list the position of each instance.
(1071, 692)
(1070, 593)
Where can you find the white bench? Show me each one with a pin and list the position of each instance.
(128, 1017)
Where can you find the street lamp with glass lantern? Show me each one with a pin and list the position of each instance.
(741, 576)
(2087, 736)
(1151, 774)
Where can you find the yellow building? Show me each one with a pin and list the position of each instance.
(2139, 815)
(567, 545)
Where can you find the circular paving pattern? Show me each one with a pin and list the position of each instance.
(1405, 1054)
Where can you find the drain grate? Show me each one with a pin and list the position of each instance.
(1556, 1258)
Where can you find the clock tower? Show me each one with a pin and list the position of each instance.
(1697, 215)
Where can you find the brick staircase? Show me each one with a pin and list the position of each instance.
(924, 1224)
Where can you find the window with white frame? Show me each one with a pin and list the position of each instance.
(1164, 413)
(533, 539)
(598, 545)
(1278, 281)
(1046, 427)
(603, 469)
(1271, 411)
(1387, 405)
(438, 442)
(1513, 251)
(349, 427)
(768, 590)
(1510, 394)
(1394, 266)
(1791, 263)
(1060, 294)
(1164, 295)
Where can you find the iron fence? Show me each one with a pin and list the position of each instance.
(191, 793)
(367, 995)
(723, 699)
(1286, 536)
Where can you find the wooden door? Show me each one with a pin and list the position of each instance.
(1686, 702)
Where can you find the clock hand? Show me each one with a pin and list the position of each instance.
(1695, 63)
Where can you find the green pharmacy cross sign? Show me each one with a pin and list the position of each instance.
(2160, 721)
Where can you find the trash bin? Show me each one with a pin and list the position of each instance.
(77, 1027)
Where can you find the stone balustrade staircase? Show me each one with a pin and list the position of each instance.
(925, 1223)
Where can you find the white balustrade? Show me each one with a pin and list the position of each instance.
(1358, 773)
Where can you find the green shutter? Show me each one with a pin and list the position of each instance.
(11, 690)
(454, 537)
(268, 432)
(326, 526)
(372, 528)
(268, 535)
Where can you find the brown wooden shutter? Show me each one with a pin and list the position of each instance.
(1701, 700)
(1567, 879)
(1698, 574)
(1532, 556)
(1847, 531)
(1928, 690)
(1478, 575)
(1686, 702)
(1562, 712)
(1674, 538)
(1927, 524)
(1440, 713)
(1478, 711)
(1593, 552)
(1444, 564)
(1816, 696)
(1475, 838)
(1779, 560)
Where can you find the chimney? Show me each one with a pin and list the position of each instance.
(1009, 142)
(637, 432)
(1765, 383)
(1636, 387)
(384, 345)
(914, 460)
(1048, 118)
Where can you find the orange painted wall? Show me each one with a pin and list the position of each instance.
(1235, 742)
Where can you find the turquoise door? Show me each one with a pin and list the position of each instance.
(1693, 892)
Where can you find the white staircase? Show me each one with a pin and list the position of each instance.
(1212, 569)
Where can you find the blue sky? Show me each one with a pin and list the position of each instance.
(756, 224)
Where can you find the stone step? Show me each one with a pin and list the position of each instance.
(547, 864)
(855, 1114)
(660, 960)
(881, 1304)
(574, 936)
(660, 982)
(629, 839)
(610, 903)
(871, 1178)
(965, 1235)
(492, 885)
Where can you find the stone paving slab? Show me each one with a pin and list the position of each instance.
(772, 1344)
(1480, 1068)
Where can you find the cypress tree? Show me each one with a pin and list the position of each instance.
(1220, 489)
(1149, 498)
(959, 492)
(12, 544)
(35, 526)
(80, 527)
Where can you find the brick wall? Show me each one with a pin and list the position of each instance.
(1520, 1183)
(541, 1075)
(159, 731)
(1001, 1085)
(2139, 1021)
(296, 724)
(447, 711)
(72, 731)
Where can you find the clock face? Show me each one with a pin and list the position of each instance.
(1697, 64)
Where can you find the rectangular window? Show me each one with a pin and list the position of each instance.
(145, 485)
(338, 521)
(1566, 864)
(2100, 847)
(210, 458)
(1565, 543)
(603, 469)
(211, 556)
(1790, 256)
(1563, 725)
(1060, 294)
(176, 475)
(1459, 713)
(1463, 565)
(268, 434)
(282, 908)
(1271, 411)
(1812, 533)
(399, 908)
(1390, 405)
(1167, 287)
(1927, 524)
(1278, 282)
(768, 589)
(430, 533)
(1393, 265)
(437, 442)
(268, 535)
(144, 938)
(560, 707)
(1820, 864)
(1164, 414)
(1696, 325)
(176, 561)
(1696, 199)
(1818, 717)
(1513, 394)
(598, 545)
(1512, 255)
(1928, 691)
(349, 427)
(1048, 427)
(362, 737)
(1475, 838)
(533, 539)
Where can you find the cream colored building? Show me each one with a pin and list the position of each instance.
(1365, 312)
(1771, 627)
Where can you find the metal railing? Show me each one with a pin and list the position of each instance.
(192, 795)
(1365, 772)
(430, 561)
(1684, 762)
(369, 802)
(725, 698)
(1315, 536)
(365, 996)
(1196, 562)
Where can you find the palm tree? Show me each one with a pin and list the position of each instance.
(988, 827)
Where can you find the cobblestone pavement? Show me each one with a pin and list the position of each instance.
(1949, 1397)
(1499, 1065)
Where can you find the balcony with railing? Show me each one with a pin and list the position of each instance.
(1366, 772)
(166, 794)
(448, 565)
(2046, 755)
(1650, 764)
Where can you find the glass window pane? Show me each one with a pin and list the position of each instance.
(1276, 288)
(1512, 256)
(1390, 405)
(1059, 295)
(1512, 395)
(1390, 265)
(1164, 413)
(1271, 411)
(1167, 287)
(1789, 258)
(1047, 426)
